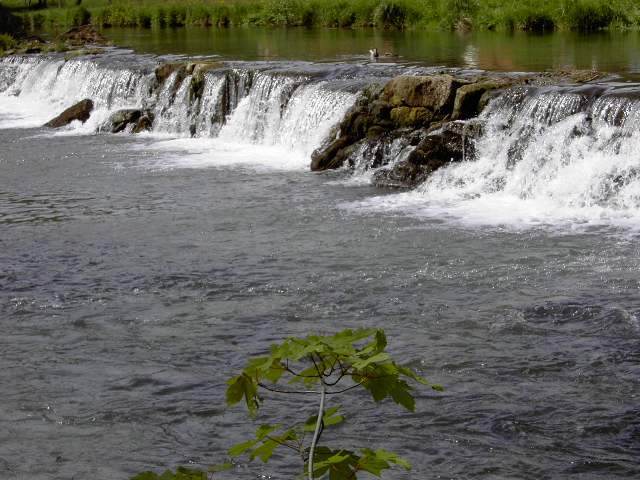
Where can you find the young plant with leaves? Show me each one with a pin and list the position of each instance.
(323, 366)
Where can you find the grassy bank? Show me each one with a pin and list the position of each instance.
(527, 15)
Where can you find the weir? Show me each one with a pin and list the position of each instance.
(538, 138)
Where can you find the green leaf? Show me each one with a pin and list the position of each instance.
(401, 395)
(407, 372)
(221, 467)
(265, 451)
(264, 430)
(181, 473)
(235, 390)
(145, 476)
(243, 386)
(437, 388)
(240, 448)
(391, 457)
(377, 358)
(329, 418)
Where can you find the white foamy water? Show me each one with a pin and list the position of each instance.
(37, 89)
(240, 116)
(553, 159)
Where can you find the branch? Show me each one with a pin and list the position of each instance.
(336, 382)
(346, 389)
(287, 391)
(316, 365)
(284, 444)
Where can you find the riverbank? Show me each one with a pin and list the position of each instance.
(526, 15)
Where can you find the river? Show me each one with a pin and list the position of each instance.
(140, 271)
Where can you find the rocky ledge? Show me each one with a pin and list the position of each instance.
(436, 114)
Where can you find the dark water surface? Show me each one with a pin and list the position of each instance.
(129, 293)
(609, 52)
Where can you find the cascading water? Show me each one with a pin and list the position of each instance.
(232, 105)
(549, 155)
(37, 88)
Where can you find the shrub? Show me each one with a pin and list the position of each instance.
(317, 366)
(78, 16)
(7, 42)
(589, 15)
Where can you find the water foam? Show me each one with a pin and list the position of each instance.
(36, 89)
(546, 158)
(238, 117)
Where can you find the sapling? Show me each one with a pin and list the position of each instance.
(323, 366)
(320, 366)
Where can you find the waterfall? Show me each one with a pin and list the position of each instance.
(35, 89)
(254, 106)
(546, 155)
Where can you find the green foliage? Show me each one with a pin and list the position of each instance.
(78, 16)
(526, 15)
(7, 42)
(317, 365)
(180, 474)
(10, 23)
(345, 464)
(590, 15)
(331, 359)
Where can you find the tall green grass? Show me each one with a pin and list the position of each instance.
(526, 15)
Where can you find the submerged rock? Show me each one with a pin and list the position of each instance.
(143, 124)
(139, 120)
(120, 119)
(80, 111)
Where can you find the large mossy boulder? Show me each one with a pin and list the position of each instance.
(81, 111)
(468, 101)
(433, 92)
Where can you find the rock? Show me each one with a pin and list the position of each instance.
(198, 71)
(82, 35)
(165, 70)
(144, 124)
(411, 117)
(80, 111)
(122, 118)
(380, 110)
(82, 52)
(452, 142)
(434, 92)
(468, 101)
(325, 158)
(402, 175)
(375, 131)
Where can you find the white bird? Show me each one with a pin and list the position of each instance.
(374, 53)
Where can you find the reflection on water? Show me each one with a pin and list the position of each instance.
(614, 52)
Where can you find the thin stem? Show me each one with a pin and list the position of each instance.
(316, 365)
(345, 390)
(266, 387)
(316, 433)
(284, 444)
